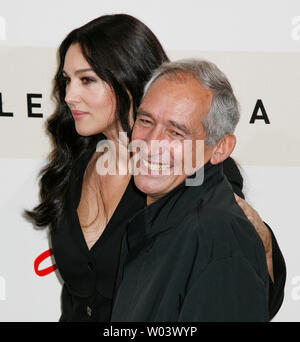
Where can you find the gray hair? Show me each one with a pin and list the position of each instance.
(223, 114)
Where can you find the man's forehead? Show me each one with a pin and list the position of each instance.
(181, 93)
(180, 80)
(180, 77)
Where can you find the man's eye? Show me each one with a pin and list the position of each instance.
(145, 122)
(176, 134)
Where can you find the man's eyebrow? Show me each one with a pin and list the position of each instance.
(142, 112)
(80, 71)
(180, 126)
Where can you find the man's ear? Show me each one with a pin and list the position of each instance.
(223, 149)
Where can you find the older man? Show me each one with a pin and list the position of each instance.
(191, 254)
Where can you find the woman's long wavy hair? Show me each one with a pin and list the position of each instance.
(123, 52)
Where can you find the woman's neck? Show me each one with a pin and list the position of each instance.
(115, 152)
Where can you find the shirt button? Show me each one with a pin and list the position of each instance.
(90, 266)
(89, 311)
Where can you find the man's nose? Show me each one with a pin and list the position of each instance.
(154, 141)
(72, 93)
(155, 134)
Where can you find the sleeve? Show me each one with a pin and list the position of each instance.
(276, 290)
(232, 173)
(66, 305)
(228, 290)
(122, 259)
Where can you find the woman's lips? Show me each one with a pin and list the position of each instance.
(78, 114)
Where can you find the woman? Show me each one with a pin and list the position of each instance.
(103, 67)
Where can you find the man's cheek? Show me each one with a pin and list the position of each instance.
(178, 159)
(193, 156)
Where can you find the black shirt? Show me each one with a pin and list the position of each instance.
(90, 275)
(193, 256)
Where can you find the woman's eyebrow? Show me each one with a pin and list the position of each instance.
(80, 71)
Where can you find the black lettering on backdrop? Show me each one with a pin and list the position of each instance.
(31, 105)
(1, 110)
(259, 106)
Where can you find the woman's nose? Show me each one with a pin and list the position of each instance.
(72, 93)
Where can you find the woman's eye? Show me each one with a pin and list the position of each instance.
(66, 80)
(87, 80)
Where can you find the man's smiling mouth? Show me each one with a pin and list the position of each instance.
(155, 167)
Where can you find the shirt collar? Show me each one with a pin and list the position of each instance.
(166, 212)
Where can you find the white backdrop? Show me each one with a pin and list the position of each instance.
(256, 43)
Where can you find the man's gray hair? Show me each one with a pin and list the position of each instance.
(223, 115)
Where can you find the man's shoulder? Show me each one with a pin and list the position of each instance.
(223, 231)
(225, 222)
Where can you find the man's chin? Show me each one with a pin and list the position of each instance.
(153, 185)
(149, 184)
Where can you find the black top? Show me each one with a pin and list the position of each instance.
(90, 275)
(193, 256)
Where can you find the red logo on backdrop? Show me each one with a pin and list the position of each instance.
(40, 259)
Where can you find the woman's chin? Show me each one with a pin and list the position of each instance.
(84, 130)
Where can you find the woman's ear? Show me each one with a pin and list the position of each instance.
(223, 149)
